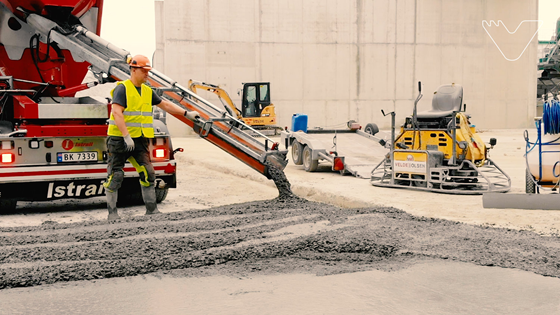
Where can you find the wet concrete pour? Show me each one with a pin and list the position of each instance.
(285, 234)
(242, 237)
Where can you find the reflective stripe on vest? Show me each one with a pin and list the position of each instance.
(137, 114)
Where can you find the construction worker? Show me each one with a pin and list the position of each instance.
(130, 128)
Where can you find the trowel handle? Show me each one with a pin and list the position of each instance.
(389, 113)
(419, 86)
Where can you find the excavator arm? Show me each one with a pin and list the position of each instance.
(221, 93)
(215, 125)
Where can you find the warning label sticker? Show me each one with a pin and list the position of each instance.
(410, 163)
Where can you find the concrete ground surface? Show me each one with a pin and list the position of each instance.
(235, 227)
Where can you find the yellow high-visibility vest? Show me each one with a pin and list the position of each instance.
(137, 114)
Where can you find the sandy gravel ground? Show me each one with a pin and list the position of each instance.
(209, 177)
(348, 191)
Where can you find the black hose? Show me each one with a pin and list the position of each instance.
(35, 62)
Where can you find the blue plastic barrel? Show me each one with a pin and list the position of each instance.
(299, 122)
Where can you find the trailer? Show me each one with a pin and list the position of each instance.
(348, 151)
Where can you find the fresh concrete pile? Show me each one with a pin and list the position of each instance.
(279, 235)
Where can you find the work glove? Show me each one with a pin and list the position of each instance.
(129, 142)
(194, 116)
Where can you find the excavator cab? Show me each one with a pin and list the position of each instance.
(256, 97)
(256, 109)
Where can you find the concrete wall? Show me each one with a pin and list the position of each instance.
(337, 60)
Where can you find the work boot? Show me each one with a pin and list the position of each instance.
(112, 205)
(149, 196)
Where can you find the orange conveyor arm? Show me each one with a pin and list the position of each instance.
(215, 124)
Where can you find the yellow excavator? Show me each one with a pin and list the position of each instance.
(256, 109)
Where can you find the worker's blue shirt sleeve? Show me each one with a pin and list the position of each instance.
(119, 96)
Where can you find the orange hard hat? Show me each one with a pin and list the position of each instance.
(140, 61)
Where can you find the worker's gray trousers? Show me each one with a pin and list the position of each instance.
(140, 159)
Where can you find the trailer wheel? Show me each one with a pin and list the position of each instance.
(309, 164)
(371, 128)
(8, 205)
(530, 186)
(161, 194)
(297, 153)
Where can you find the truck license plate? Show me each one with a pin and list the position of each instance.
(76, 156)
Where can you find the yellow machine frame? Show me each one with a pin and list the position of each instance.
(442, 152)
(427, 139)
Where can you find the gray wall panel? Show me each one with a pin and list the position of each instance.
(337, 60)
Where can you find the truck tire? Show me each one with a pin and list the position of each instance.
(297, 152)
(371, 128)
(161, 194)
(309, 164)
(530, 186)
(8, 205)
(135, 198)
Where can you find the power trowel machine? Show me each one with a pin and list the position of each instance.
(439, 150)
